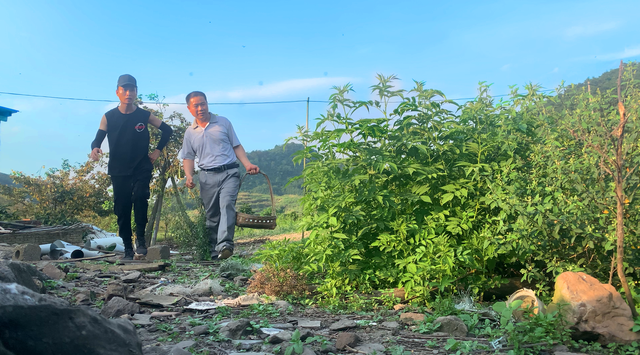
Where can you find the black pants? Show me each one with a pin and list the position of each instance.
(131, 191)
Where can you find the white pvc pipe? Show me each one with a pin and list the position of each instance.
(105, 244)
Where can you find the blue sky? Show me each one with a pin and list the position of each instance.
(247, 51)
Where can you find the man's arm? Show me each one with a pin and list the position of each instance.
(166, 135)
(97, 142)
(188, 165)
(242, 156)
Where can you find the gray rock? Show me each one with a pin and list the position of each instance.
(283, 305)
(346, 339)
(246, 344)
(131, 277)
(17, 295)
(141, 319)
(343, 324)
(117, 289)
(308, 351)
(304, 323)
(282, 326)
(240, 281)
(185, 344)
(200, 330)
(390, 325)
(250, 353)
(281, 337)
(305, 333)
(23, 274)
(178, 351)
(119, 306)
(328, 348)
(37, 329)
(236, 329)
(207, 288)
(371, 348)
(452, 325)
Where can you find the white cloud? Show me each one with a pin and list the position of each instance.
(589, 30)
(506, 67)
(628, 52)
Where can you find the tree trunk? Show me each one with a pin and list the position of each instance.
(158, 216)
(619, 180)
(181, 207)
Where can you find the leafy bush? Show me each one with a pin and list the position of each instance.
(433, 195)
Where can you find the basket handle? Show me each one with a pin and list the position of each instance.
(273, 201)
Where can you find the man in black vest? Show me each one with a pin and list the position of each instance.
(130, 163)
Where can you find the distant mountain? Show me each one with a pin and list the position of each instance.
(607, 80)
(277, 163)
(5, 179)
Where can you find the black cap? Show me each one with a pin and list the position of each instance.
(127, 79)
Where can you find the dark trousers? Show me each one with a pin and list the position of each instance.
(131, 191)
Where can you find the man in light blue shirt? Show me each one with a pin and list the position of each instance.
(212, 139)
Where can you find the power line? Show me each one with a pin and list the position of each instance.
(222, 103)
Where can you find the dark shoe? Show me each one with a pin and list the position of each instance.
(225, 253)
(141, 250)
(141, 246)
(128, 254)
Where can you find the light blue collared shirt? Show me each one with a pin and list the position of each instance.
(213, 144)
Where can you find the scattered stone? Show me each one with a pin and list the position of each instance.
(207, 288)
(305, 333)
(390, 325)
(307, 351)
(270, 331)
(85, 297)
(343, 324)
(159, 300)
(452, 325)
(178, 351)
(26, 252)
(240, 281)
(18, 295)
(282, 305)
(117, 289)
(23, 274)
(236, 329)
(399, 307)
(246, 344)
(185, 344)
(594, 309)
(346, 339)
(131, 277)
(203, 306)
(158, 252)
(371, 348)
(53, 272)
(305, 323)
(141, 319)
(200, 330)
(65, 329)
(164, 314)
(280, 337)
(119, 306)
(560, 349)
(411, 318)
(282, 326)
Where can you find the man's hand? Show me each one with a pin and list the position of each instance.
(95, 154)
(154, 156)
(190, 183)
(252, 169)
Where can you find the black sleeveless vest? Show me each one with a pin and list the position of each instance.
(128, 136)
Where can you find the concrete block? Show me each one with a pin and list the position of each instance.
(26, 252)
(158, 252)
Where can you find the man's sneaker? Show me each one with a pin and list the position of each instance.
(141, 250)
(225, 253)
(128, 254)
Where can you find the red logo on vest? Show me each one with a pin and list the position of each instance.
(140, 127)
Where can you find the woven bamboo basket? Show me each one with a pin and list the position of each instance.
(256, 221)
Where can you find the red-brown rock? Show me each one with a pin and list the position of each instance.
(411, 318)
(594, 308)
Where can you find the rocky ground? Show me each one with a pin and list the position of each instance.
(161, 300)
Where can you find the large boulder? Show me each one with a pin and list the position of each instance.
(49, 329)
(23, 274)
(594, 310)
(17, 295)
